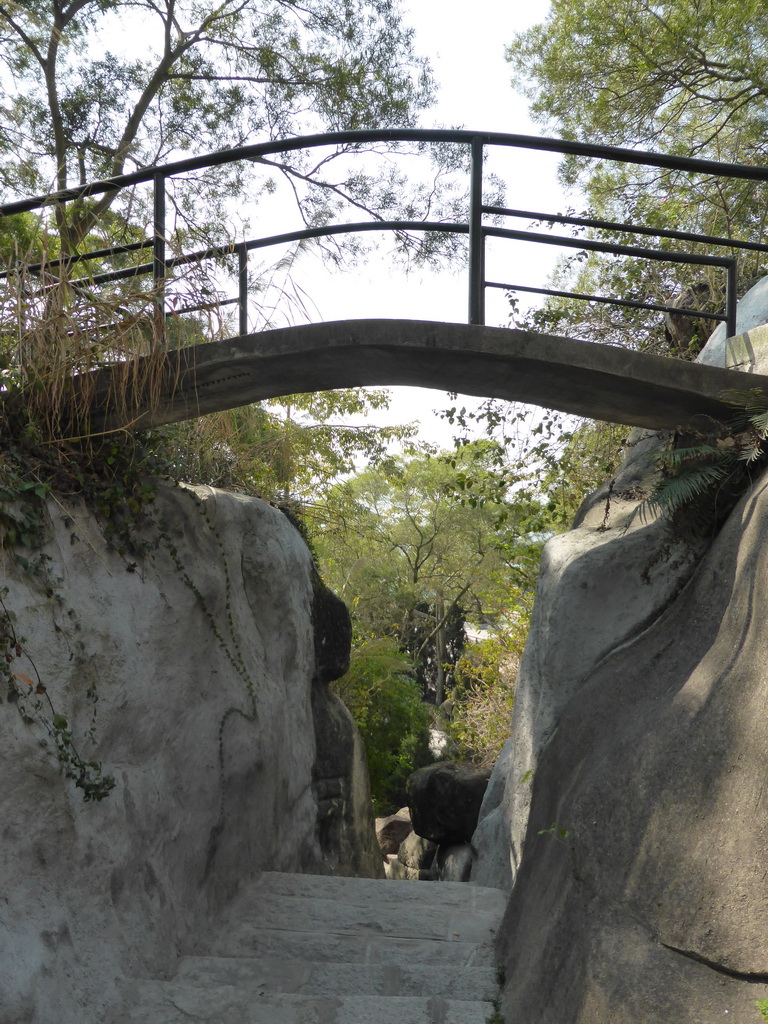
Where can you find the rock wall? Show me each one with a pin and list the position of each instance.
(600, 585)
(210, 665)
(654, 906)
(628, 813)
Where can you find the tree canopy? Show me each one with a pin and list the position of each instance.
(414, 552)
(684, 78)
(678, 77)
(95, 88)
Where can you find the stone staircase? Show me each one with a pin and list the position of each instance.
(304, 949)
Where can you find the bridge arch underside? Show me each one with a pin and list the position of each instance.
(590, 380)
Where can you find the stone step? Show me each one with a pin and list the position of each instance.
(383, 916)
(269, 976)
(363, 891)
(298, 949)
(180, 1002)
(250, 939)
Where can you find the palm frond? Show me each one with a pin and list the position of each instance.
(760, 423)
(675, 492)
(676, 458)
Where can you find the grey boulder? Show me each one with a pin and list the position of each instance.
(392, 830)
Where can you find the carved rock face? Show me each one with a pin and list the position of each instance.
(631, 827)
(644, 855)
(212, 720)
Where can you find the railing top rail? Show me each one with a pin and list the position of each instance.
(361, 137)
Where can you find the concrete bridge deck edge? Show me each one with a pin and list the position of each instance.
(597, 381)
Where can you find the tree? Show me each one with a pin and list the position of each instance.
(84, 104)
(381, 692)
(415, 545)
(689, 79)
(481, 701)
(211, 73)
(662, 75)
(290, 450)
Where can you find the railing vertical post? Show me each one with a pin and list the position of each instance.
(242, 278)
(159, 256)
(476, 239)
(730, 300)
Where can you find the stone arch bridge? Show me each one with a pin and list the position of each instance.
(596, 381)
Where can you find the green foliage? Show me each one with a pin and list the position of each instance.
(422, 541)
(704, 471)
(549, 460)
(762, 1005)
(287, 450)
(381, 692)
(588, 455)
(700, 72)
(396, 535)
(481, 700)
(558, 832)
(207, 74)
(697, 86)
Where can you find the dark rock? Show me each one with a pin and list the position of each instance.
(333, 632)
(454, 863)
(392, 830)
(345, 829)
(444, 800)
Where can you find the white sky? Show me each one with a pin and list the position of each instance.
(466, 48)
(467, 54)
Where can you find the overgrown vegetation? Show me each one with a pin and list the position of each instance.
(706, 468)
(480, 703)
(380, 690)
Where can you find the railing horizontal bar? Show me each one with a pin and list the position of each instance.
(217, 251)
(258, 151)
(621, 250)
(202, 306)
(114, 250)
(631, 303)
(608, 225)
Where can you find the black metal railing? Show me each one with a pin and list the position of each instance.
(476, 227)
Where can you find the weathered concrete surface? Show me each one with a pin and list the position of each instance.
(207, 794)
(655, 906)
(590, 380)
(747, 351)
(600, 585)
(295, 949)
